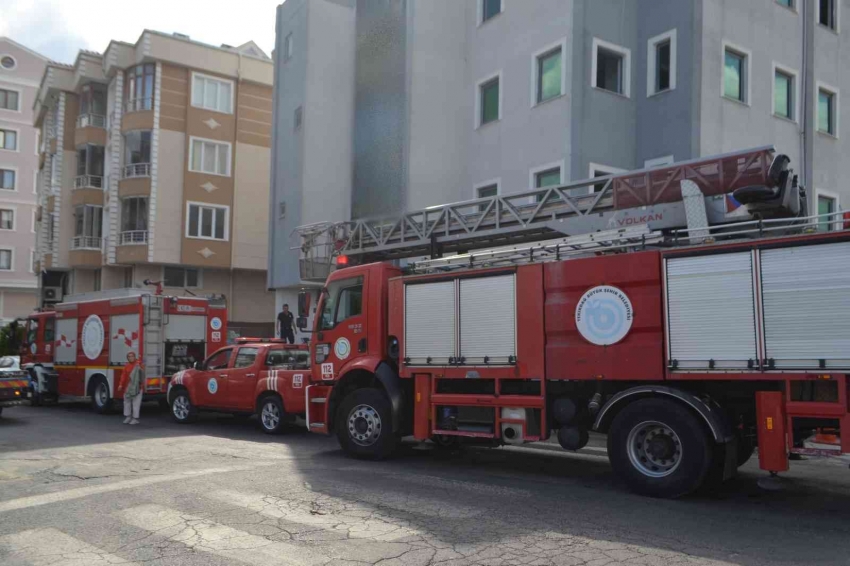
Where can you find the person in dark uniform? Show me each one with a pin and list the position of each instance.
(286, 325)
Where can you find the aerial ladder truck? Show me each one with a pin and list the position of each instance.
(691, 312)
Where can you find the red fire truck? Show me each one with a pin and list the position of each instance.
(691, 313)
(256, 375)
(79, 348)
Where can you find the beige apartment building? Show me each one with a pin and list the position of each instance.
(20, 72)
(155, 166)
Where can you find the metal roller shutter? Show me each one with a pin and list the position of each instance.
(66, 341)
(806, 295)
(430, 322)
(710, 309)
(488, 319)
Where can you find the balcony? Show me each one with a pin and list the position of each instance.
(88, 182)
(86, 243)
(135, 170)
(138, 105)
(133, 237)
(91, 121)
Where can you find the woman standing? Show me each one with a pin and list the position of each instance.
(131, 382)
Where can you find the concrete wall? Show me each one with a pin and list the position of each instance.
(250, 208)
(169, 197)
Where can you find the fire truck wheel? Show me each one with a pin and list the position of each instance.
(272, 415)
(364, 425)
(101, 402)
(659, 448)
(182, 409)
(36, 400)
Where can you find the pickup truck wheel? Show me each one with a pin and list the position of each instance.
(182, 409)
(36, 400)
(364, 425)
(659, 448)
(101, 401)
(272, 415)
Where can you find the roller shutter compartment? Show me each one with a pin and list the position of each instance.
(430, 322)
(488, 319)
(806, 296)
(711, 312)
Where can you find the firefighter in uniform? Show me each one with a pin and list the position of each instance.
(286, 325)
(131, 380)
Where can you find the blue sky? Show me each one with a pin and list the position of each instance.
(59, 28)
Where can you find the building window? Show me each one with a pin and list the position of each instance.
(209, 156)
(658, 162)
(5, 260)
(786, 3)
(827, 111)
(486, 191)
(8, 62)
(34, 220)
(828, 206)
(128, 277)
(206, 221)
(9, 140)
(88, 222)
(180, 277)
(212, 94)
(93, 103)
(490, 9)
(50, 228)
(549, 74)
(9, 99)
(90, 167)
(828, 13)
(134, 220)
(735, 75)
(139, 89)
(7, 179)
(96, 277)
(597, 170)
(33, 260)
(547, 176)
(299, 117)
(287, 48)
(7, 219)
(661, 63)
(611, 67)
(489, 101)
(137, 153)
(783, 94)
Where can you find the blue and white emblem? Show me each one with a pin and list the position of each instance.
(604, 315)
(212, 386)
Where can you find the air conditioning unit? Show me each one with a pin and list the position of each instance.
(51, 294)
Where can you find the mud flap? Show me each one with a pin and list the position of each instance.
(390, 380)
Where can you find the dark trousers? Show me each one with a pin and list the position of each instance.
(288, 335)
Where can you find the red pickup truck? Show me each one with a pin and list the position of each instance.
(262, 376)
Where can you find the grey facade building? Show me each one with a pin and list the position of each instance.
(390, 105)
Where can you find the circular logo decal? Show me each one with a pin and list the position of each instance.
(342, 348)
(33, 348)
(92, 337)
(604, 315)
(215, 323)
(212, 386)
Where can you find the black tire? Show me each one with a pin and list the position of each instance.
(101, 400)
(674, 465)
(270, 414)
(36, 400)
(364, 425)
(183, 411)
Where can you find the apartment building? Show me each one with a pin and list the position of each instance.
(398, 105)
(20, 72)
(155, 166)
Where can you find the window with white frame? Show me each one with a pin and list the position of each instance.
(139, 87)
(828, 13)
(8, 62)
(88, 224)
(9, 99)
(658, 162)
(7, 219)
(207, 221)
(736, 74)
(33, 260)
(287, 47)
(597, 170)
(784, 93)
(134, 220)
(489, 9)
(661, 63)
(546, 176)
(6, 257)
(211, 93)
(180, 277)
(34, 220)
(487, 190)
(827, 204)
(9, 140)
(549, 75)
(827, 110)
(208, 156)
(611, 67)
(488, 101)
(786, 3)
(8, 179)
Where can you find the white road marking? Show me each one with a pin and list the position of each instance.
(207, 536)
(79, 492)
(334, 514)
(51, 547)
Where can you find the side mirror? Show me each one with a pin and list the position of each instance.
(303, 305)
(198, 365)
(301, 322)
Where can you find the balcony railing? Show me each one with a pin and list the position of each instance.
(132, 237)
(138, 104)
(91, 121)
(88, 182)
(86, 243)
(137, 170)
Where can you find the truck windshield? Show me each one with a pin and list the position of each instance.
(32, 331)
(343, 300)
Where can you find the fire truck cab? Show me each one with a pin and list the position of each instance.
(255, 375)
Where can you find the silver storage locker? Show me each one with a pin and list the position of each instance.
(488, 319)
(710, 311)
(806, 297)
(430, 322)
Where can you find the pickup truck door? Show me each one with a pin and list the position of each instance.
(211, 385)
(242, 378)
(291, 368)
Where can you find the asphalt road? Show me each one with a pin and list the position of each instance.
(82, 489)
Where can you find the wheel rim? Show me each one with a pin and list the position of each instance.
(364, 425)
(270, 416)
(655, 449)
(180, 407)
(102, 394)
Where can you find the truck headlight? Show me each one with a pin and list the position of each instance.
(322, 351)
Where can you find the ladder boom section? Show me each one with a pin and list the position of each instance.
(579, 207)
